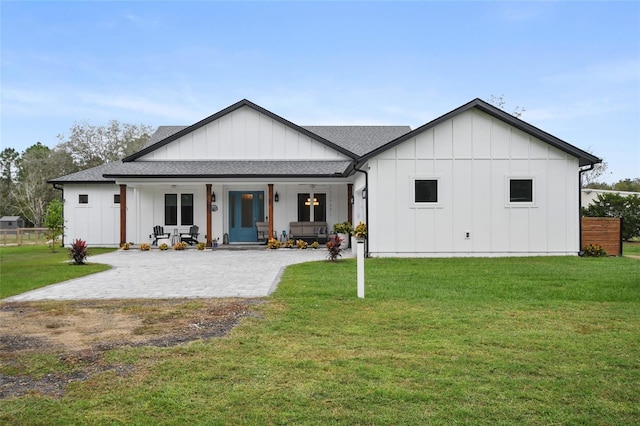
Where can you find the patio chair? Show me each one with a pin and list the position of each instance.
(192, 237)
(158, 232)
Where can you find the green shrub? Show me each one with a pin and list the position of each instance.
(594, 250)
(343, 228)
(616, 205)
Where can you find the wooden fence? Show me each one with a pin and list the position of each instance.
(22, 236)
(604, 231)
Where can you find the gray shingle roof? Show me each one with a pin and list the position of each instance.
(358, 142)
(359, 139)
(198, 169)
(224, 168)
(94, 174)
(163, 132)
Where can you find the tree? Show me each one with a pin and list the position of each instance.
(616, 205)
(54, 222)
(91, 146)
(31, 192)
(591, 178)
(630, 185)
(8, 164)
(500, 102)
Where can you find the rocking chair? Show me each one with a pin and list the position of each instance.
(158, 233)
(192, 237)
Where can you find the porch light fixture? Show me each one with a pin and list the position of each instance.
(352, 200)
(364, 193)
(213, 197)
(276, 197)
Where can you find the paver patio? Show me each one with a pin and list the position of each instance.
(177, 274)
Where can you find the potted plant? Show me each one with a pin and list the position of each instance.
(360, 231)
(343, 229)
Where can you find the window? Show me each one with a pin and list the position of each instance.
(319, 207)
(312, 202)
(83, 199)
(520, 190)
(171, 209)
(186, 209)
(116, 198)
(426, 191)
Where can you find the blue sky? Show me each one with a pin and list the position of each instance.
(573, 66)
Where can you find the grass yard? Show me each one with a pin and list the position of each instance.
(631, 248)
(29, 267)
(551, 340)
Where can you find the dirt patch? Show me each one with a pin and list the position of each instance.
(77, 333)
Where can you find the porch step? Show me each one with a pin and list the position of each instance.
(241, 247)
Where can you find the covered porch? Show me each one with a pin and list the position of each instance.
(227, 211)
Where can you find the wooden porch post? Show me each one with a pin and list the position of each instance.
(208, 207)
(270, 210)
(349, 205)
(123, 214)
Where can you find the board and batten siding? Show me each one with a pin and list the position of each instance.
(98, 221)
(472, 156)
(244, 134)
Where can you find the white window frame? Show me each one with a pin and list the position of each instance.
(86, 194)
(507, 191)
(412, 192)
(178, 195)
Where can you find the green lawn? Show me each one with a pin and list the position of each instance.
(631, 248)
(29, 267)
(435, 341)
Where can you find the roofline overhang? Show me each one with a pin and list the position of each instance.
(229, 110)
(584, 157)
(64, 182)
(229, 176)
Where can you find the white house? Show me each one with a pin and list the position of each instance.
(590, 195)
(474, 182)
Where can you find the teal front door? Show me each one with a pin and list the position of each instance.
(245, 209)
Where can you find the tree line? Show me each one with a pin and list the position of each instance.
(24, 190)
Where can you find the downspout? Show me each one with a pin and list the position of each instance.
(61, 189)
(366, 209)
(580, 172)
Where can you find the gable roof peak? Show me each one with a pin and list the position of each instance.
(584, 157)
(244, 102)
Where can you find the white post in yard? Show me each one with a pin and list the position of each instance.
(360, 255)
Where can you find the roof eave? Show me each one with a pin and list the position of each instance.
(232, 176)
